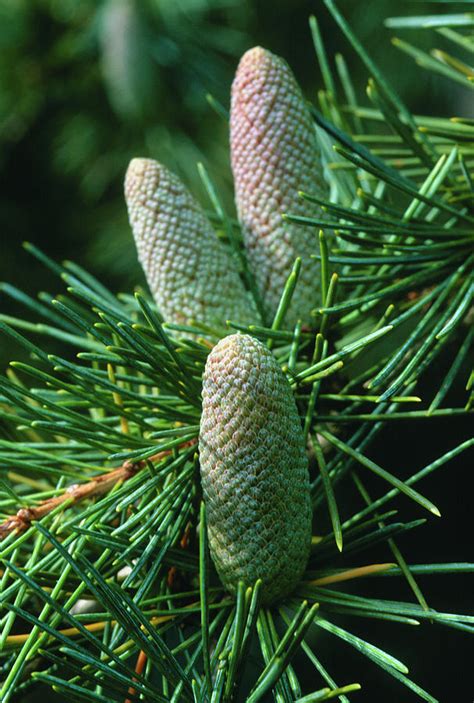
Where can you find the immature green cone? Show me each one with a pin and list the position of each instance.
(254, 469)
(189, 271)
(274, 155)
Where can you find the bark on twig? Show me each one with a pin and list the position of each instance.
(77, 493)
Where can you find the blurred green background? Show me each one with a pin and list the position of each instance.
(85, 85)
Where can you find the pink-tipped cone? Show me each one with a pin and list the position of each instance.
(274, 155)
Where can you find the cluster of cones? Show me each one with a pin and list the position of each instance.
(254, 467)
(274, 155)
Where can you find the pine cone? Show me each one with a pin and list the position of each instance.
(274, 155)
(190, 273)
(254, 469)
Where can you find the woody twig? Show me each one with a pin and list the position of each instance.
(77, 493)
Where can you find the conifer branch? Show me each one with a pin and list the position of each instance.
(396, 270)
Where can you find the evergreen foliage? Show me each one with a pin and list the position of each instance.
(106, 588)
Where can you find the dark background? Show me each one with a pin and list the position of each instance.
(86, 85)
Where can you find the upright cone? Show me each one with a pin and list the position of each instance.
(274, 155)
(190, 273)
(254, 469)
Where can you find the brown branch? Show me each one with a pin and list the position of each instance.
(77, 493)
(141, 661)
(97, 627)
